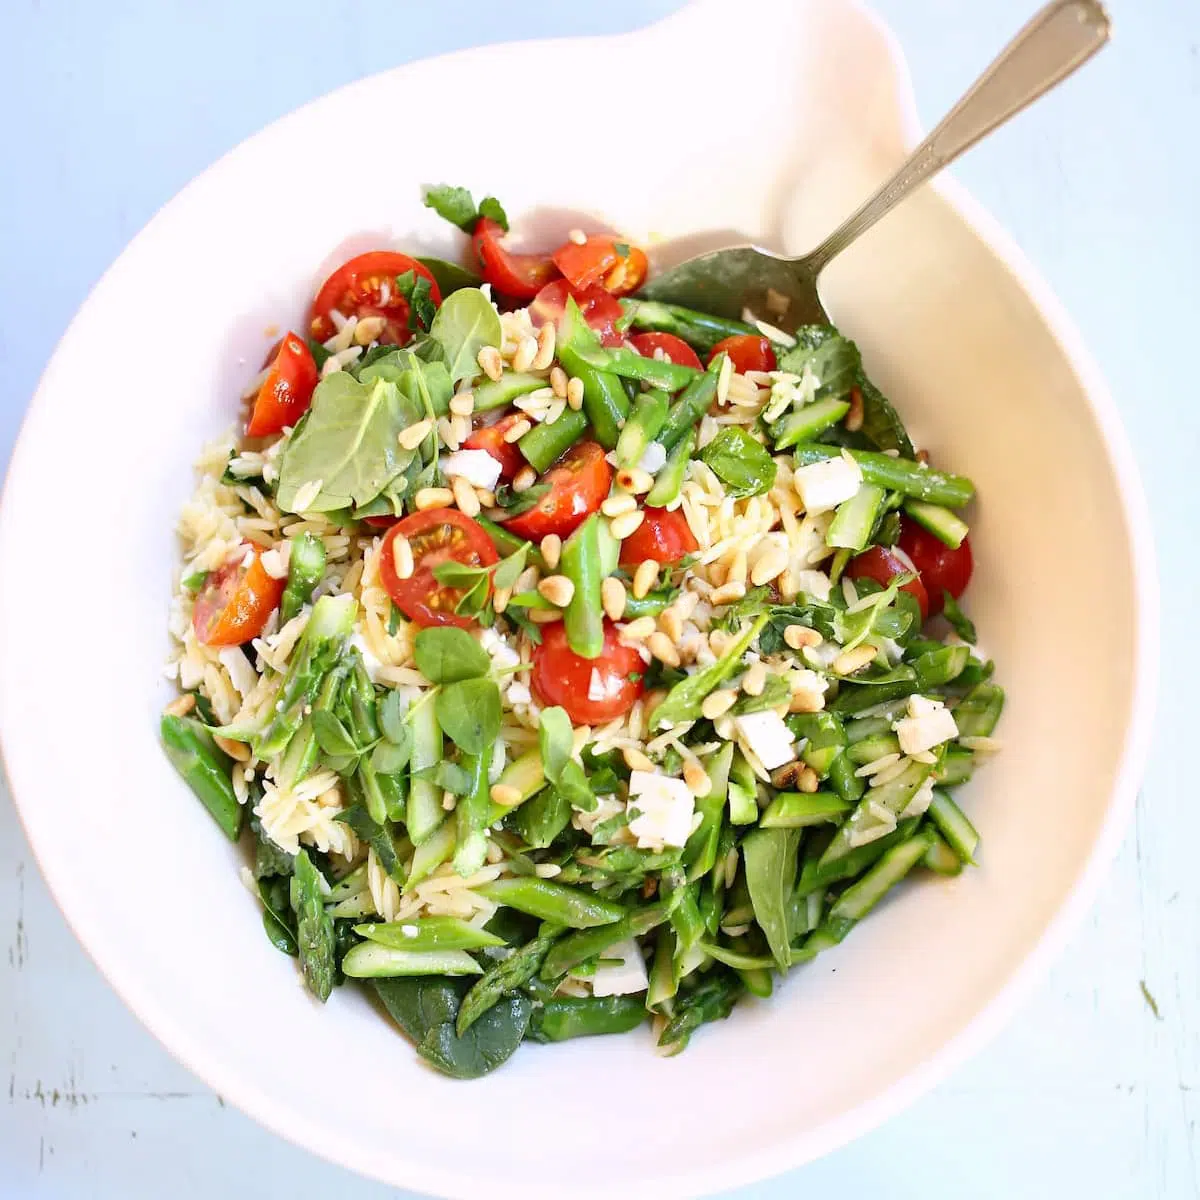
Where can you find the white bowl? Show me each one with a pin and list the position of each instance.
(953, 324)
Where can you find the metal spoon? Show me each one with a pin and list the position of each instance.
(1061, 38)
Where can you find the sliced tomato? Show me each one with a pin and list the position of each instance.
(600, 310)
(601, 259)
(235, 602)
(438, 535)
(663, 536)
(592, 690)
(629, 274)
(287, 391)
(491, 439)
(579, 482)
(748, 351)
(366, 287)
(674, 348)
(520, 276)
(942, 568)
(882, 565)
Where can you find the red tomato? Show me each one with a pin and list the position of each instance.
(748, 351)
(880, 564)
(357, 288)
(579, 481)
(560, 676)
(436, 536)
(942, 569)
(520, 276)
(663, 536)
(600, 310)
(598, 261)
(287, 391)
(675, 348)
(233, 605)
(491, 439)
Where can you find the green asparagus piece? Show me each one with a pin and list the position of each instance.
(544, 444)
(939, 858)
(563, 1017)
(898, 475)
(589, 943)
(507, 976)
(957, 766)
(428, 933)
(425, 811)
(314, 927)
(471, 816)
(939, 520)
(580, 563)
(711, 1000)
(701, 331)
(815, 877)
(306, 568)
(205, 769)
(642, 427)
(573, 908)
(954, 826)
(372, 960)
(669, 480)
(701, 852)
(893, 795)
(794, 810)
(436, 849)
(509, 543)
(811, 420)
(695, 401)
(743, 792)
(978, 711)
(855, 518)
(604, 402)
(499, 393)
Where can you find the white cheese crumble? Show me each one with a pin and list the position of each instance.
(929, 723)
(663, 808)
(825, 485)
(500, 652)
(625, 977)
(654, 458)
(477, 467)
(372, 664)
(768, 737)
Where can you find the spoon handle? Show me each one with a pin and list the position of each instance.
(1058, 40)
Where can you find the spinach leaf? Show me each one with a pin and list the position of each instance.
(392, 754)
(834, 360)
(391, 718)
(556, 740)
(881, 424)
(959, 622)
(421, 308)
(775, 692)
(277, 915)
(449, 276)
(464, 325)
(469, 713)
(739, 462)
(446, 654)
(347, 443)
(314, 927)
(456, 205)
(269, 859)
(540, 820)
(515, 503)
(378, 837)
(509, 569)
(332, 736)
(770, 856)
(712, 999)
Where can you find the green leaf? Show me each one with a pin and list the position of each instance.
(741, 464)
(277, 915)
(421, 308)
(449, 276)
(556, 740)
(332, 736)
(622, 248)
(314, 928)
(389, 757)
(474, 599)
(515, 503)
(453, 204)
(464, 325)
(469, 713)
(958, 620)
(509, 569)
(446, 654)
(881, 424)
(459, 575)
(834, 360)
(491, 208)
(391, 717)
(378, 837)
(573, 785)
(194, 582)
(775, 692)
(770, 856)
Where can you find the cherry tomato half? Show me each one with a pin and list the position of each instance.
(438, 535)
(748, 351)
(366, 287)
(579, 481)
(602, 260)
(663, 536)
(560, 676)
(287, 391)
(233, 605)
(942, 568)
(491, 439)
(520, 276)
(600, 310)
(880, 564)
(675, 348)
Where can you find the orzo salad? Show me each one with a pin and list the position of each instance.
(569, 661)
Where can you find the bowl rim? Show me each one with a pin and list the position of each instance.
(790, 1152)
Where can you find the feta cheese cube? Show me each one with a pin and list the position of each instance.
(654, 458)
(663, 809)
(929, 723)
(768, 737)
(501, 653)
(372, 664)
(477, 467)
(625, 977)
(824, 485)
(815, 584)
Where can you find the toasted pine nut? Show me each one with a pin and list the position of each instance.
(671, 623)
(624, 525)
(635, 760)
(639, 630)
(238, 751)
(737, 568)
(718, 640)
(645, 577)
(558, 381)
(181, 705)
(854, 418)
(718, 703)
(696, 777)
(414, 435)
(613, 597)
(662, 648)
(806, 702)
(527, 350)
(402, 557)
(368, 329)
(551, 548)
(850, 661)
(575, 392)
(486, 497)
(808, 780)
(447, 433)
(617, 504)
(524, 479)
(433, 497)
(505, 794)
(729, 592)
(545, 347)
(464, 497)
(769, 566)
(500, 599)
(635, 480)
(545, 616)
(558, 589)
(799, 636)
(463, 405)
(491, 363)
(755, 680)
(517, 430)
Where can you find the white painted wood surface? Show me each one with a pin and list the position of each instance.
(111, 108)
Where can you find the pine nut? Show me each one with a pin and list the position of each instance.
(463, 405)
(635, 760)
(433, 497)
(486, 497)
(808, 780)
(414, 435)
(769, 565)
(718, 703)
(551, 548)
(737, 568)
(558, 382)
(447, 432)
(615, 505)
(558, 589)
(555, 411)
(464, 497)
(799, 636)
(575, 392)
(524, 479)
(755, 680)
(806, 702)
(238, 751)
(729, 592)
(639, 630)
(544, 616)
(181, 705)
(491, 363)
(718, 641)
(545, 347)
(505, 794)
(723, 376)
(850, 661)
(500, 599)
(624, 525)
(368, 329)
(670, 622)
(661, 647)
(527, 350)
(613, 598)
(635, 480)
(696, 777)
(402, 557)
(517, 431)
(645, 577)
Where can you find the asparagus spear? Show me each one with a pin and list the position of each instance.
(306, 568)
(584, 617)
(205, 769)
(506, 976)
(563, 1017)
(898, 475)
(573, 908)
(543, 444)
